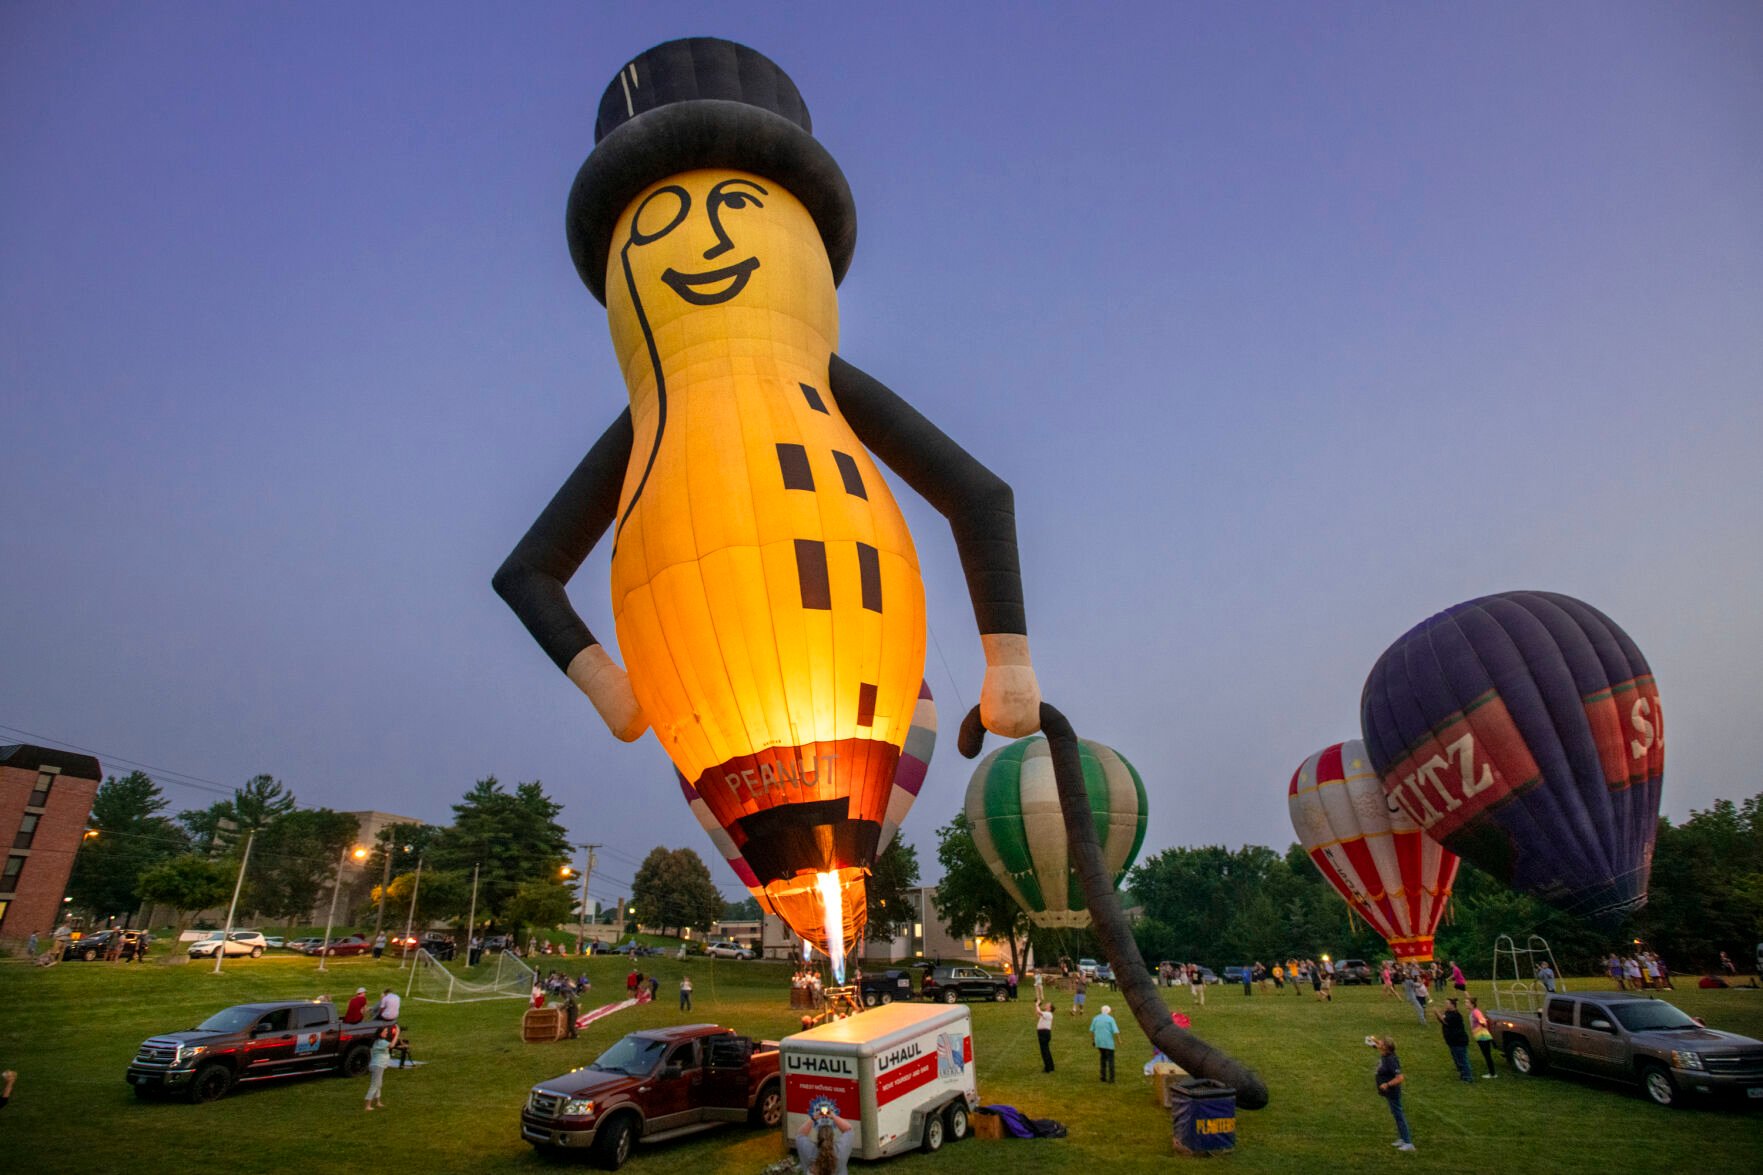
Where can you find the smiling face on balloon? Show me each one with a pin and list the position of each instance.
(719, 241)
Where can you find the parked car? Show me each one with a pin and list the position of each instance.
(964, 982)
(1104, 973)
(1207, 975)
(439, 945)
(251, 1042)
(1354, 971)
(657, 1084)
(239, 942)
(274, 940)
(1235, 974)
(498, 942)
(884, 987)
(1087, 968)
(96, 946)
(354, 944)
(1634, 1039)
(722, 948)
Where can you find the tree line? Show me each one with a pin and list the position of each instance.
(1220, 906)
(136, 855)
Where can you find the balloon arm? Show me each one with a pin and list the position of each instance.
(531, 580)
(977, 502)
(1108, 921)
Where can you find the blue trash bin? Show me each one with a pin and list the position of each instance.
(1205, 1116)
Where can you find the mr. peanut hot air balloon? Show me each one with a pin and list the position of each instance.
(1019, 828)
(1523, 731)
(1392, 874)
(765, 590)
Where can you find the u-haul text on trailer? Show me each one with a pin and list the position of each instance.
(903, 1073)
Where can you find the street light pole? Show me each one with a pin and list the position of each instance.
(226, 935)
(582, 914)
(330, 920)
(410, 920)
(379, 919)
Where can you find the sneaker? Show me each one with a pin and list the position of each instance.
(1489, 1076)
(1406, 1146)
(1396, 1143)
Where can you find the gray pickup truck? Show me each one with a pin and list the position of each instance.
(1634, 1039)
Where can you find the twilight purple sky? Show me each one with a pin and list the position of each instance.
(1291, 324)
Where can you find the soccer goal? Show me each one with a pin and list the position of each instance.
(506, 978)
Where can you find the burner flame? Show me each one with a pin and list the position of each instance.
(834, 904)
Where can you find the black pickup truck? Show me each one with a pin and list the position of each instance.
(251, 1042)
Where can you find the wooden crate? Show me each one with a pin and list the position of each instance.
(541, 1025)
(1163, 1075)
(987, 1126)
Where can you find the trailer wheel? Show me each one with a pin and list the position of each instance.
(958, 1123)
(935, 1133)
(887, 997)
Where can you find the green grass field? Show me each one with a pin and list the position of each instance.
(71, 1030)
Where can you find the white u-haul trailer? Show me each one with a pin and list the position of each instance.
(903, 1073)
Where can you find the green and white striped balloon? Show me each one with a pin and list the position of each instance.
(1013, 808)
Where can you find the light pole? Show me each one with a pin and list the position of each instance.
(410, 920)
(379, 919)
(226, 935)
(360, 854)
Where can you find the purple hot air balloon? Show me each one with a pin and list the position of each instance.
(1523, 732)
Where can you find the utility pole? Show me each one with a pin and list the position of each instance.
(226, 935)
(583, 913)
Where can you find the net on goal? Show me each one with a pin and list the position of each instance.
(433, 981)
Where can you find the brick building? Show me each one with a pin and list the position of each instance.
(45, 797)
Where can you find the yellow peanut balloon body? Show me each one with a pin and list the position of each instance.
(766, 592)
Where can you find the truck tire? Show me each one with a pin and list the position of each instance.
(210, 1083)
(949, 997)
(257, 952)
(1002, 994)
(1522, 1057)
(614, 1143)
(887, 997)
(1660, 1089)
(936, 1132)
(958, 1121)
(869, 1000)
(355, 1060)
(768, 1107)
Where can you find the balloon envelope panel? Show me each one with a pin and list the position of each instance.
(1390, 872)
(1019, 828)
(1523, 731)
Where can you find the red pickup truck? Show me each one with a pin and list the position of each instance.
(655, 1085)
(251, 1042)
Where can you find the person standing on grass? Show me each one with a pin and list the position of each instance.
(1044, 1032)
(1484, 1036)
(379, 944)
(685, 993)
(378, 1062)
(1196, 984)
(1079, 989)
(571, 1010)
(1458, 979)
(1389, 1086)
(1104, 1031)
(1456, 1039)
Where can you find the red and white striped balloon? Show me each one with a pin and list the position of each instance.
(1390, 872)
